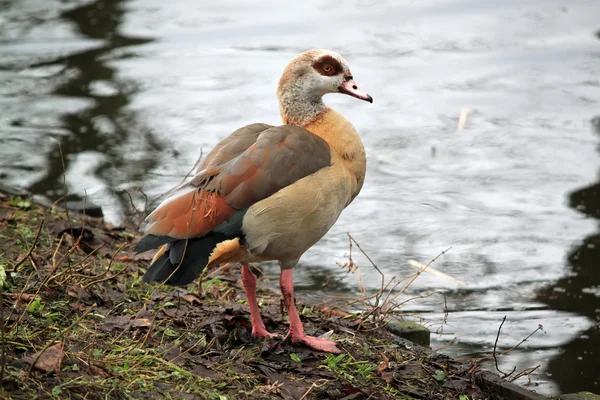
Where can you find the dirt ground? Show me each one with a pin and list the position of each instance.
(78, 322)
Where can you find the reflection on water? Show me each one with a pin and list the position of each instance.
(134, 90)
(98, 136)
(579, 292)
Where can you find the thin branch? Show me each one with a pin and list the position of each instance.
(496, 344)
(37, 236)
(62, 333)
(377, 298)
(98, 278)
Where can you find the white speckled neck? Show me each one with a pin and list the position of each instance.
(298, 107)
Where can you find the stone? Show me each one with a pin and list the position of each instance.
(83, 207)
(410, 330)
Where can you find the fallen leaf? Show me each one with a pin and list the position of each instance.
(48, 361)
(328, 312)
(98, 371)
(388, 377)
(190, 298)
(384, 365)
(141, 322)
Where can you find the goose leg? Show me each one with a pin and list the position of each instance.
(296, 333)
(258, 326)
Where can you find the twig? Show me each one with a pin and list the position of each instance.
(496, 344)
(187, 350)
(64, 332)
(527, 372)
(12, 311)
(65, 189)
(440, 330)
(98, 278)
(37, 236)
(73, 272)
(539, 328)
(377, 298)
(316, 384)
(415, 276)
(444, 347)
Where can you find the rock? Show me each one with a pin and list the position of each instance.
(84, 207)
(410, 330)
(578, 396)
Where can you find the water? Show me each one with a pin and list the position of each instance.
(133, 91)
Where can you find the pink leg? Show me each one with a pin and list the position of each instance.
(296, 333)
(258, 326)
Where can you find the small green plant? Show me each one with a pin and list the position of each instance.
(332, 361)
(20, 203)
(36, 305)
(439, 375)
(56, 391)
(348, 368)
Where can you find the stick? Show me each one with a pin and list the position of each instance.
(496, 343)
(37, 236)
(64, 332)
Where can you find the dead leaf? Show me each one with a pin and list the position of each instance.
(98, 371)
(384, 365)
(26, 297)
(48, 361)
(124, 322)
(141, 322)
(331, 312)
(190, 298)
(388, 377)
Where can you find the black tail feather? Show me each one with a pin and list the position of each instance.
(150, 242)
(183, 260)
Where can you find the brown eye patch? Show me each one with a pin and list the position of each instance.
(328, 66)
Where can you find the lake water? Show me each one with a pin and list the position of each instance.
(134, 91)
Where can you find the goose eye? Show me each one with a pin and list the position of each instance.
(328, 69)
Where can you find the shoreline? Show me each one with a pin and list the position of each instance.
(79, 322)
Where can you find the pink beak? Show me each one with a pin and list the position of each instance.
(350, 88)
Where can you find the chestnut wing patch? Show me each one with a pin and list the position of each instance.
(242, 170)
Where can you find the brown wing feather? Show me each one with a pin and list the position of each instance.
(233, 145)
(191, 214)
(249, 165)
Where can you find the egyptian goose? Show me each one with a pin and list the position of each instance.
(266, 192)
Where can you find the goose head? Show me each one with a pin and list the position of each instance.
(310, 76)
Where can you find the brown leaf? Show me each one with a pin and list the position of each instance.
(98, 371)
(26, 297)
(141, 322)
(123, 322)
(190, 298)
(329, 312)
(384, 365)
(48, 361)
(388, 377)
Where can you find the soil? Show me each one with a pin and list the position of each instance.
(78, 322)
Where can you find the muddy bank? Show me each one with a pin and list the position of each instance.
(79, 322)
